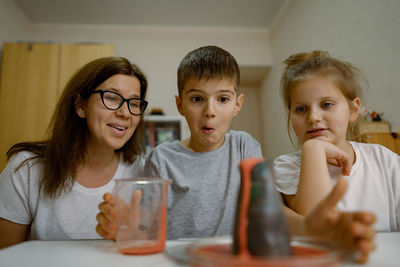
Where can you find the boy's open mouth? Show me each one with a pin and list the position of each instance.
(207, 129)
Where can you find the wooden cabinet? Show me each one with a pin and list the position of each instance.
(378, 132)
(389, 140)
(374, 127)
(32, 77)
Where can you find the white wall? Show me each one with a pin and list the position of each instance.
(364, 32)
(158, 50)
(250, 115)
(13, 23)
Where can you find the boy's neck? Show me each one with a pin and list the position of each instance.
(187, 143)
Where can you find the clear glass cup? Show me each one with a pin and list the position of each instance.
(141, 215)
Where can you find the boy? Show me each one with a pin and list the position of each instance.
(204, 167)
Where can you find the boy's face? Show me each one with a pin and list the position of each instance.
(209, 106)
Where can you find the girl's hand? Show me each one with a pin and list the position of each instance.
(352, 231)
(334, 155)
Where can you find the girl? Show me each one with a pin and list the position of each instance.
(51, 189)
(322, 98)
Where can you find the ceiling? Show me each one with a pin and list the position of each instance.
(198, 13)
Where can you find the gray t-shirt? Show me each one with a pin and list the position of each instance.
(203, 194)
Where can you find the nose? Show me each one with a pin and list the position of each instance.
(209, 110)
(314, 115)
(123, 110)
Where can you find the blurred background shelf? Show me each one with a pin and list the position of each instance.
(160, 128)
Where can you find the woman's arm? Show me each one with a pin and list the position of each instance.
(12, 233)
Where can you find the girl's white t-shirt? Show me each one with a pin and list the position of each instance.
(70, 216)
(374, 182)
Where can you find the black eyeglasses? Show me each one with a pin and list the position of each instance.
(114, 101)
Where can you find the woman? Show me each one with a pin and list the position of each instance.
(51, 189)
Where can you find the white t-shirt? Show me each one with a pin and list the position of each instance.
(374, 182)
(71, 216)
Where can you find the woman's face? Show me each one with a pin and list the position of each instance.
(110, 129)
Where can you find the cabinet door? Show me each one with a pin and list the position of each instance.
(74, 56)
(33, 77)
(27, 92)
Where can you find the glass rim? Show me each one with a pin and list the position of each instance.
(143, 180)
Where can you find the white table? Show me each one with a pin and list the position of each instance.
(100, 253)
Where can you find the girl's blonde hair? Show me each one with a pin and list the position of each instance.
(346, 77)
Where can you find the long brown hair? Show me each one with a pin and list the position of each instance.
(64, 150)
(345, 76)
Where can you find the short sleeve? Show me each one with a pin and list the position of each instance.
(287, 172)
(254, 148)
(16, 190)
(150, 166)
(393, 160)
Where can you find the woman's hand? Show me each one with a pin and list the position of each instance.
(106, 218)
(128, 215)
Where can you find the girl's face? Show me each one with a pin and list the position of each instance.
(110, 129)
(319, 110)
(209, 106)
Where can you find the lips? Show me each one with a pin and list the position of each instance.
(117, 126)
(207, 129)
(316, 131)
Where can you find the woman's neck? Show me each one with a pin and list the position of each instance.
(98, 168)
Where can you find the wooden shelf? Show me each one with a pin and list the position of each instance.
(374, 127)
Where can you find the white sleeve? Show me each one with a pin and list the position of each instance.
(287, 172)
(15, 190)
(394, 169)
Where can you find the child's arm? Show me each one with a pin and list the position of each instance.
(314, 183)
(12, 233)
(352, 231)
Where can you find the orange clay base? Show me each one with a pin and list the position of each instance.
(215, 254)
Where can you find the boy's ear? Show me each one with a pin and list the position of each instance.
(239, 103)
(80, 105)
(178, 102)
(355, 107)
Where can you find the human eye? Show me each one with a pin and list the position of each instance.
(196, 99)
(112, 97)
(223, 99)
(300, 109)
(134, 103)
(327, 105)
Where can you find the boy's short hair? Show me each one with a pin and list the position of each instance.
(208, 62)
